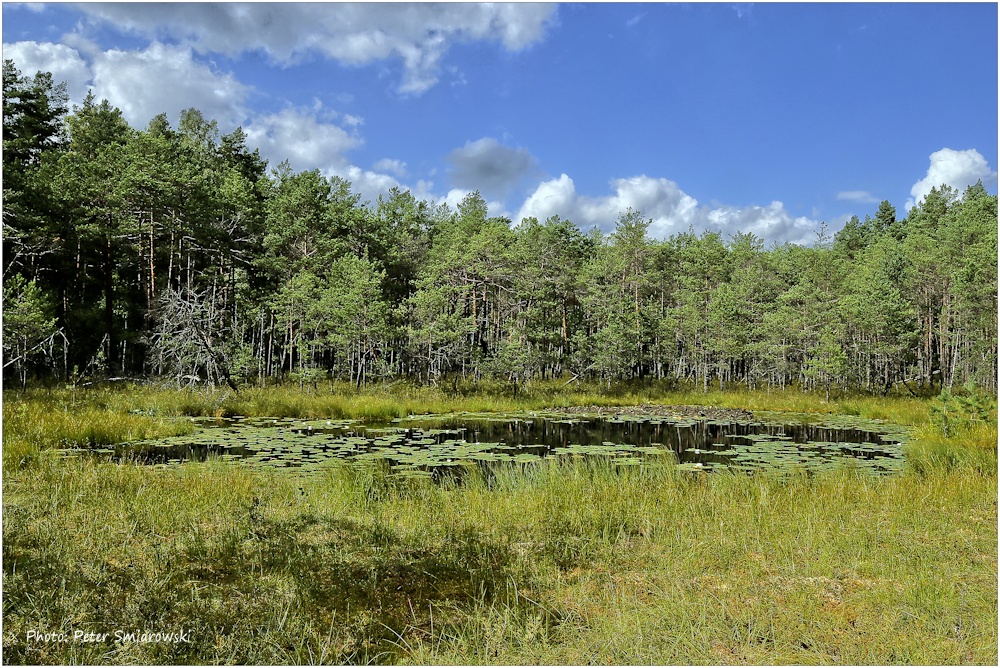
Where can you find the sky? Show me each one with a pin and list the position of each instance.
(767, 119)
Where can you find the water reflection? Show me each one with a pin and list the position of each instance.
(429, 445)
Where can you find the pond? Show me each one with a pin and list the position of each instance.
(429, 445)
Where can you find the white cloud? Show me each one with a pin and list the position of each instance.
(453, 198)
(166, 79)
(396, 167)
(419, 34)
(86, 47)
(662, 200)
(307, 142)
(366, 183)
(671, 210)
(859, 196)
(158, 79)
(519, 24)
(958, 169)
(635, 20)
(555, 197)
(489, 166)
(424, 190)
(64, 62)
(303, 140)
(771, 223)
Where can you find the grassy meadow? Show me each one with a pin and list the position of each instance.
(545, 564)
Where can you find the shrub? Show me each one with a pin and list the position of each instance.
(953, 413)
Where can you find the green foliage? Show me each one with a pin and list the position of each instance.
(292, 273)
(32, 108)
(952, 414)
(33, 138)
(28, 323)
(27, 316)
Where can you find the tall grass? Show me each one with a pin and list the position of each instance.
(47, 420)
(381, 402)
(547, 563)
(975, 448)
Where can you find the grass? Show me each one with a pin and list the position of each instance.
(43, 421)
(542, 564)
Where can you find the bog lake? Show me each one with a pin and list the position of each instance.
(438, 445)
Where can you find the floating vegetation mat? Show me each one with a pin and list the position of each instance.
(431, 445)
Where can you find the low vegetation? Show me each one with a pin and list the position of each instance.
(547, 563)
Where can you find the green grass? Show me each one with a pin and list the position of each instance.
(377, 402)
(43, 421)
(543, 564)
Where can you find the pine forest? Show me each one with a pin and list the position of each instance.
(179, 253)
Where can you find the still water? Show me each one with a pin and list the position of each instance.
(428, 444)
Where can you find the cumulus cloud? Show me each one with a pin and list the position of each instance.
(365, 182)
(64, 62)
(659, 199)
(771, 223)
(670, 209)
(395, 167)
(142, 83)
(958, 169)
(488, 166)
(554, 197)
(302, 139)
(166, 79)
(455, 197)
(422, 190)
(308, 142)
(418, 34)
(859, 196)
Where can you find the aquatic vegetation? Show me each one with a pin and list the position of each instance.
(428, 443)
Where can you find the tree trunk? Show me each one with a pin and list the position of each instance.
(109, 306)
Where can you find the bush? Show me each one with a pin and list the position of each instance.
(953, 413)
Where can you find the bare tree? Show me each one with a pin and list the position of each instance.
(189, 339)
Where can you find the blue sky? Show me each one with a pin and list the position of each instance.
(760, 118)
